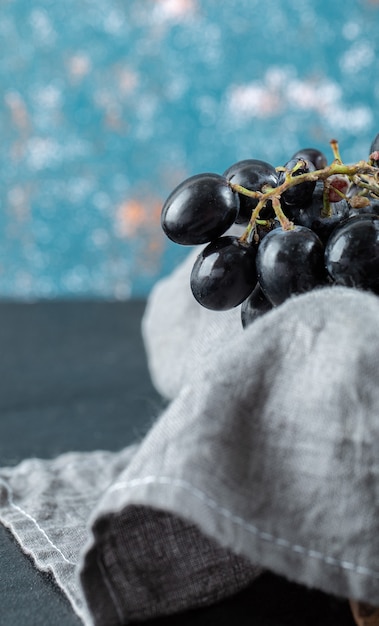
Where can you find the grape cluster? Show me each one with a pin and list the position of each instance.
(306, 224)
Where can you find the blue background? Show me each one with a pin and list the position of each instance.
(106, 106)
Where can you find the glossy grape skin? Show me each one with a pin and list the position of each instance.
(224, 274)
(352, 253)
(199, 210)
(252, 174)
(254, 306)
(311, 215)
(290, 262)
(375, 147)
(313, 155)
(298, 195)
(371, 209)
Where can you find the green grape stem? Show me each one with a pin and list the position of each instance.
(362, 174)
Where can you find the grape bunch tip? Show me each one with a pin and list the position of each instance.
(306, 224)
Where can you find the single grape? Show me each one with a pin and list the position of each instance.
(304, 215)
(200, 209)
(252, 174)
(313, 155)
(352, 253)
(301, 194)
(290, 262)
(375, 148)
(224, 273)
(254, 306)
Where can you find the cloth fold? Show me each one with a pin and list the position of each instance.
(266, 457)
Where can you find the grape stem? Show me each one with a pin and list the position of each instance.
(362, 174)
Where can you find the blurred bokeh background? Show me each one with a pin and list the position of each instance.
(106, 106)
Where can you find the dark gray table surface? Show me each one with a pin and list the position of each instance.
(74, 377)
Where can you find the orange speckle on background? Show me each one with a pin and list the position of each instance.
(114, 122)
(18, 110)
(141, 221)
(130, 216)
(18, 202)
(134, 215)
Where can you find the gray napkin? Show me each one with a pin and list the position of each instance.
(266, 457)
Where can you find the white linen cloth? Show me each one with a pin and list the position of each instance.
(267, 456)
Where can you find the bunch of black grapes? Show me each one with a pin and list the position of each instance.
(307, 224)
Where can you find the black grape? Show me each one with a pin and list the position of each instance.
(254, 306)
(352, 253)
(313, 155)
(200, 209)
(301, 194)
(290, 262)
(297, 248)
(311, 215)
(224, 273)
(252, 174)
